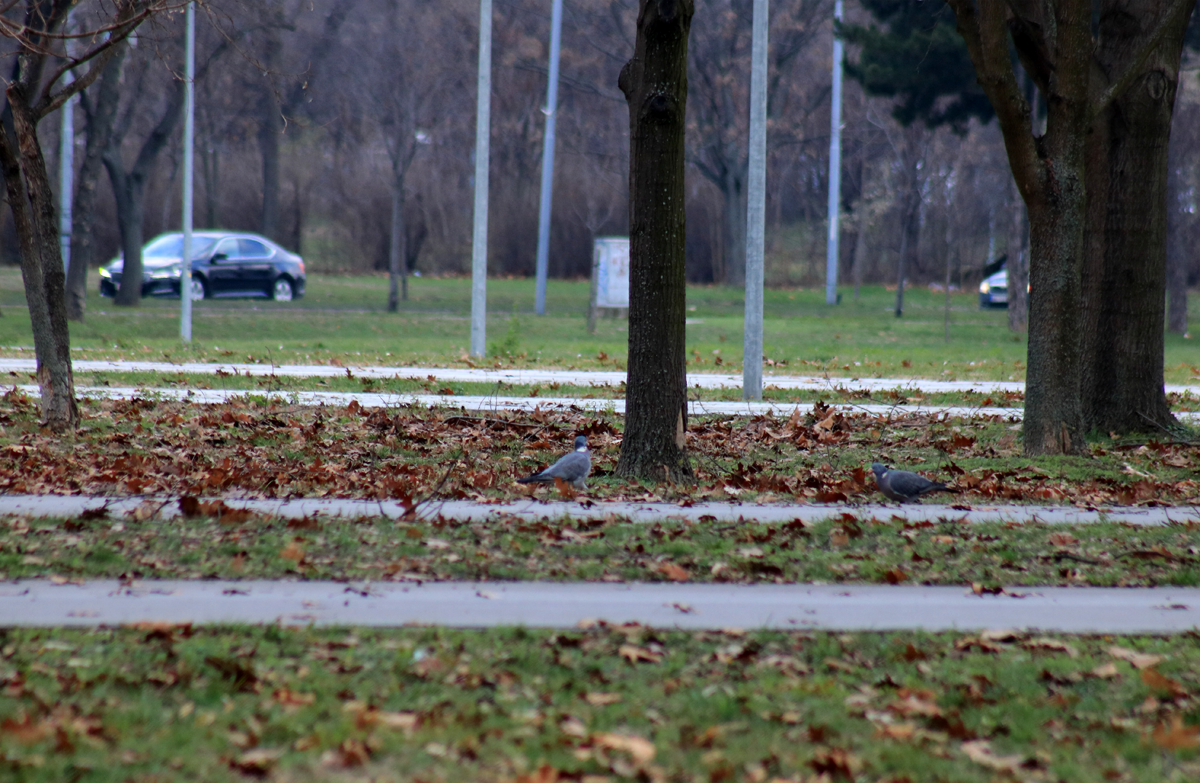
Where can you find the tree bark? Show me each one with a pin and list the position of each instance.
(31, 199)
(1049, 172)
(1124, 273)
(654, 82)
(27, 183)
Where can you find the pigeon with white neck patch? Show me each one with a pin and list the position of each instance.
(572, 468)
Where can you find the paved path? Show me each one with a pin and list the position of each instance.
(497, 403)
(554, 605)
(572, 377)
(168, 508)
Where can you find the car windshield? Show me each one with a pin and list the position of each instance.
(171, 246)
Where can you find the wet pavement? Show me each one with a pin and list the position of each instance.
(550, 605)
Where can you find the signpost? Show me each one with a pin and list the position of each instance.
(610, 277)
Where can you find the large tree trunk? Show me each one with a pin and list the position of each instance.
(1124, 274)
(1056, 46)
(655, 86)
(1053, 422)
(32, 202)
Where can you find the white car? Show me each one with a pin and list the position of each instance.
(993, 291)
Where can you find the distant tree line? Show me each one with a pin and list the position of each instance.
(326, 124)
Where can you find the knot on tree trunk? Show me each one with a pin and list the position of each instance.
(660, 107)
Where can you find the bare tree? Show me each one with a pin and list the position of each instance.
(720, 103)
(409, 102)
(129, 182)
(100, 110)
(152, 82)
(35, 89)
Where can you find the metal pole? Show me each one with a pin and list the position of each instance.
(551, 111)
(189, 141)
(835, 166)
(756, 203)
(66, 176)
(483, 122)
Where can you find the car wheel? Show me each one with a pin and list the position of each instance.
(199, 289)
(282, 291)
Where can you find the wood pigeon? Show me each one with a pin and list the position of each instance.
(572, 468)
(902, 485)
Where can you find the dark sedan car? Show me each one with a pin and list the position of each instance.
(224, 263)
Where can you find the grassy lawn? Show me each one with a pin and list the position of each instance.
(855, 548)
(253, 447)
(342, 319)
(175, 703)
(604, 703)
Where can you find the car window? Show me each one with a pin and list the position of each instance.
(200, 245)
(170, 246)
(228, 247)
(252, 248)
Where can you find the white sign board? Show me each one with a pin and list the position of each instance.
(611, 270)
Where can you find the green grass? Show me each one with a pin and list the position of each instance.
(343, 319)
(174, 703)
(852, 548)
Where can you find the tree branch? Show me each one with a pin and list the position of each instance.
(986, 36)
(116, 33)
(1028, 30)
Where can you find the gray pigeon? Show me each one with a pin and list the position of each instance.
(904, 486)
(572, 468)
